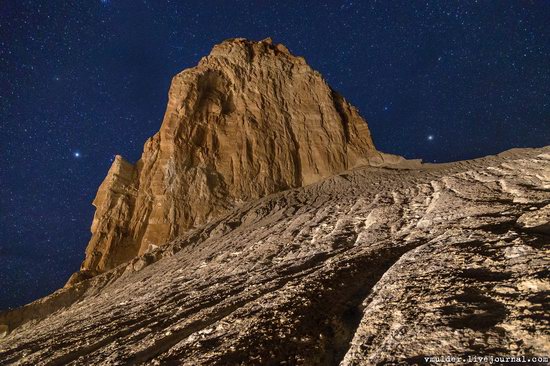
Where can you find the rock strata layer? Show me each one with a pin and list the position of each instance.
(250, 120)
(370, 267)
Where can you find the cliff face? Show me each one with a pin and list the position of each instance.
(251, 119)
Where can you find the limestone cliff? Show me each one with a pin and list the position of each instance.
(251, 119)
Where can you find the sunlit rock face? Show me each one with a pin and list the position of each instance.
(250, 120)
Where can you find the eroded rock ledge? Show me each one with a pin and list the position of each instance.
(368, 267)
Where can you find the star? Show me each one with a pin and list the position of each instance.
(76, 154)
(430, 137)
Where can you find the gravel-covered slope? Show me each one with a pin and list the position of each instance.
(367, 267)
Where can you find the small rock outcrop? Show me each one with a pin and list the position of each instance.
(250, 120)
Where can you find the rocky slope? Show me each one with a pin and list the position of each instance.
(369, 267)
(251, 119)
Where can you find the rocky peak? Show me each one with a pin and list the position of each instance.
(249, 120)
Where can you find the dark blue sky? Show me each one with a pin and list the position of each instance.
(82, 81)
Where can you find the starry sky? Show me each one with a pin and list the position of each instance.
(81, 81)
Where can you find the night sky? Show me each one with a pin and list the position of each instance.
(81, 81)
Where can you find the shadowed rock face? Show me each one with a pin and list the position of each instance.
(369, 267)
(250, 120)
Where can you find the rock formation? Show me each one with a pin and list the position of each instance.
(262, 227)
(251, 119)
(369, 267)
